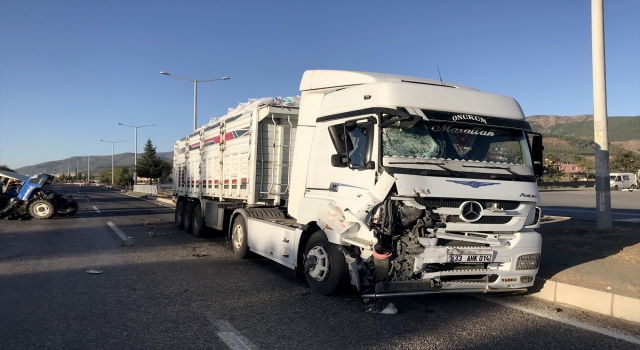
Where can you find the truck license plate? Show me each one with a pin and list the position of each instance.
(471, 258)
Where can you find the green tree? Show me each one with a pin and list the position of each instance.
(6, 168)
(122, 175)
(625, 162)
(105, 176)
(551, 172)
(150, 165)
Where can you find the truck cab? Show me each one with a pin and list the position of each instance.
(433, 181)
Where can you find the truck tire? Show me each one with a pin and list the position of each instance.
(198, 222)
(325, 267)
(188, 216)
(615, 187)
(239, 237)
(179, 214)
(42, 209)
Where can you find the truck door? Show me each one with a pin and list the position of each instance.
(344, 157)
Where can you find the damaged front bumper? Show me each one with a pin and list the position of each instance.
(513, 265)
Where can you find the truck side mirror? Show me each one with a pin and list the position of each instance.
(340, 138)
(536, 154)
(339, 161)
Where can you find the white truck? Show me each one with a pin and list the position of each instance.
(396, 184)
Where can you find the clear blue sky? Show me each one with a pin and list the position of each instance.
(70, 70)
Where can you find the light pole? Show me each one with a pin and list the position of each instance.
(135, 154)
(112, 144)
(195, 93)
(88, 173)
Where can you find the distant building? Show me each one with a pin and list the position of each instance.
(569, 168)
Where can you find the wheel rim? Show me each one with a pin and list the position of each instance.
(41, 209)
(238, 236)
(320, 271)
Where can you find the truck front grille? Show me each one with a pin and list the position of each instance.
(495, 220)
(456, 203)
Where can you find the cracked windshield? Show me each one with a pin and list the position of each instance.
(456, 142)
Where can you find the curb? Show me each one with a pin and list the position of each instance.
(609, 304)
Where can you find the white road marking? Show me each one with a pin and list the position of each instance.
(232, 341)
(96, 209)
(230, 336)
(578, 324)
(118, 231)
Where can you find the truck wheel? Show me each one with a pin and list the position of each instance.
(179, 214)
(615, 187)
(239, 237)
(198, 222)
(42, 209)
(188, 217)
(325, 267)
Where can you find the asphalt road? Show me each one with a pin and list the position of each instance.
(581, 204)
(161, 288)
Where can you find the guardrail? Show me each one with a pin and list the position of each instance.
(149, 189)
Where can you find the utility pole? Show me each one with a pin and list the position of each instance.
(600, 135)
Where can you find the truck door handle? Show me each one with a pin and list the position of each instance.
(285, 240)
(285, 255)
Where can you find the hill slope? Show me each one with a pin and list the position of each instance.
(96, 163)
(569, 135)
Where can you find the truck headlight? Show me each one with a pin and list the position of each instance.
(534, 217)
(528, 262)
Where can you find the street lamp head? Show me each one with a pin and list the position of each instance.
(164, 73)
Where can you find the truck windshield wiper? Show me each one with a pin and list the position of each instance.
(518, 176)
(436, 163)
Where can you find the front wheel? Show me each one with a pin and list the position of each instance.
(239, 237)
(325, 267)
(42, 209)
(69, 207)
(615, 187)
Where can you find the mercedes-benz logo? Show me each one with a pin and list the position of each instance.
(470, 211)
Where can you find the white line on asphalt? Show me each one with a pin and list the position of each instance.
(96, 209)
(578, 324)
(118, 231)
(232, 341)
(229, 335)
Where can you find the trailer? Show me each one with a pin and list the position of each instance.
(397, 185)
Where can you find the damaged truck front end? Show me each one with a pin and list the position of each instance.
(416, 253)
(454, 207)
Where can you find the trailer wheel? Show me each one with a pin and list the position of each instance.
(188, 216)
(42, 209)
(198, 222)
(325, 267)
(179, 214)
(239, 237)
